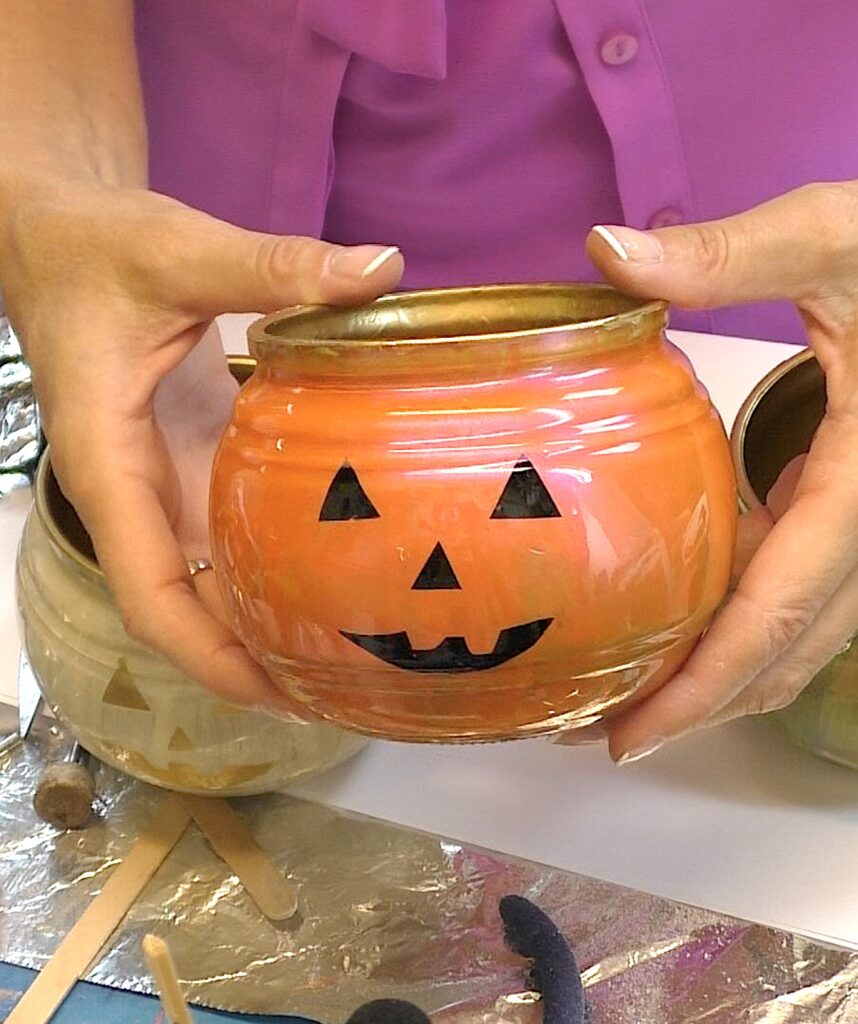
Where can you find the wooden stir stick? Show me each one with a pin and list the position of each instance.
(160, 962)
(232, 841)
(90, 933)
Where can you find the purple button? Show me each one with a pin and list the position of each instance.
(669, 217)
(619, 49)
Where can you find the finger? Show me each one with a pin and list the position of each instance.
(781, 493)
(192, 405)
(584, 736)
(148, 575)
(756, 524)
(787, 248)
(779, 685)
(805, 559)
(280, 703)
(228, 269)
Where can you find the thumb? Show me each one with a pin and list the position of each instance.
(791, 247)
(223, 268)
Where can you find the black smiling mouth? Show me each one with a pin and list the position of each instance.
(452, 654)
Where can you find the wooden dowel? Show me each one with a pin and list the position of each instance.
(163, 970)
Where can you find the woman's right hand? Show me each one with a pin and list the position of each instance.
(111, 291)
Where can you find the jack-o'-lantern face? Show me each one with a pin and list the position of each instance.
(438, 566)
(524, 496)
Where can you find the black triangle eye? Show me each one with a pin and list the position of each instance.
(346, 499)
(525, 496)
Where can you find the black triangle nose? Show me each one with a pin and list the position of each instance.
(437, 573)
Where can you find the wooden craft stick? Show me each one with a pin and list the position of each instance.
(90, 933)
(231, 840)
(160, 962)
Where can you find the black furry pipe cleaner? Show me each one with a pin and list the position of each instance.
(388, 1011)
(531, 933)
(554, 973)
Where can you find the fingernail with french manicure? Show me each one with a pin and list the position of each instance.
(639, 753)
(629, 245)
(352, 262)
(380, 260)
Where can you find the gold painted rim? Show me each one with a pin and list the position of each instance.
(56, 535)
(743, 417)
(264, 340)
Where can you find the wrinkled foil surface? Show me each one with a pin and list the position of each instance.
(20, 431)
(386, 911)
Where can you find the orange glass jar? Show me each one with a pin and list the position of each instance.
(472, 514)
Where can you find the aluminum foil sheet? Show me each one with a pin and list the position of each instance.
(386, 911)
(21, 439)
(10, 347)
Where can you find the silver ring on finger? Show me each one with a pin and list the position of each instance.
(198, 565)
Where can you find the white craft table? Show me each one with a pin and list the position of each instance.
(733, 820)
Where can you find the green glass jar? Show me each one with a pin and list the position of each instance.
(124, 703)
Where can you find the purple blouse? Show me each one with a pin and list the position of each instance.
(485, 137)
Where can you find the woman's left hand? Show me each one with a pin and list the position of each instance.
(795, 604)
